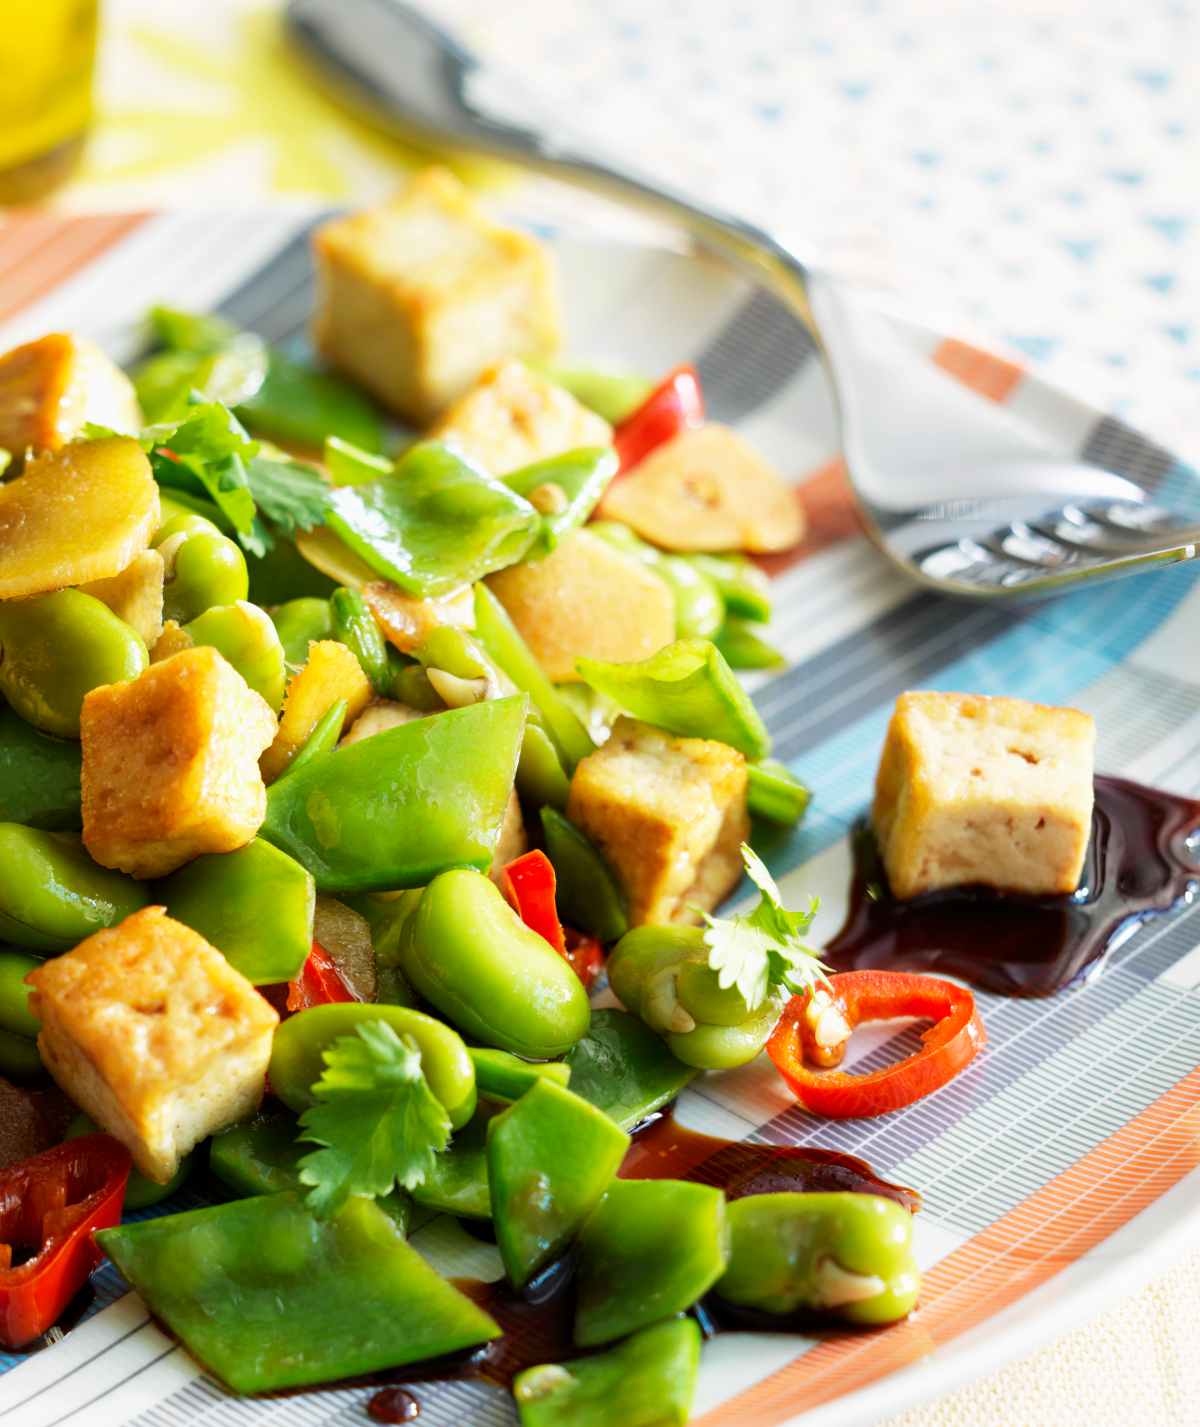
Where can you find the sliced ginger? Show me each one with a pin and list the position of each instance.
(331, 673)
(79, 514)
(407, 620)
(50, 388)
(707, 489)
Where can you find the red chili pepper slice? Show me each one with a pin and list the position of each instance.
(319, 983)
(674, 405)
(954, 1039)
(529, 884)
(585, 954)
(49, 1206)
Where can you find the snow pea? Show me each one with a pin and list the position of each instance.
(435, 523)
(688, 689)
(613, 395)
(204, 568)
(661, 974)
(52, 894)
(15, 1015)
(350, 465)
(39, 776)
(410, 685)
(503, 644)
(742, 647)
(624, 1069)
(849, 1255)
(296, 1064)
(269, 1297)
(649, 1380)
(652, 1248)
(19, 1057)
(324, 737)
(699, 608)
(588, 895)
(56, 648)
(140, 1192)
(472, 957)
(743, 587)
(244, 634)
(565, 490)
(394, 810)
(550, 1156)
(301, 406)
(298, 622)
(505, 1076)
(541, 778)
(774, 792)
(254, 905)
(358, 629)
(458, 1181)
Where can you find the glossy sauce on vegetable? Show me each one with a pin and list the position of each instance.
(1139, 862)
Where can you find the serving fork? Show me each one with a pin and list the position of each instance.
(955, 489)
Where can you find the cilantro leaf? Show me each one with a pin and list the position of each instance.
(763, 950)
(292, 495)
(209, 449)
(376, 1118)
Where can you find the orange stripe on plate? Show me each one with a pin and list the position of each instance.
(39, 251)
(984, 372)
(831, 512)
(1039, 1238)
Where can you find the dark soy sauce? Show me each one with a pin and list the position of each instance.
(1139, 862)
(393, 1404)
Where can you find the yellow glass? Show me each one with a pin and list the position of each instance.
(47, 57)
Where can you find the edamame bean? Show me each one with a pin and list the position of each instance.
(15, 1015)
(56, 648)
(468, 953)
(203, 568)
(244, 634)
(39, 775)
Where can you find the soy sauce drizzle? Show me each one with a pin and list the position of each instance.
(1140, 862)
(393, 1404)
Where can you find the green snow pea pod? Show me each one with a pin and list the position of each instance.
(742, 647)
(39, 775)
(244, 634)
(52, 894)
(19, 1058)
(541, 778)
(652, 1248)
(848, 1255)
(699, 609)
(688, 689)
(565, 489)
(298, 622)
(774, 792)
(454, 651)
(56, 648)
(394, 810)
(551, 1156)
(472, 957)
(503, 644)
(255, 905)
(296, 1064)
(588, 895)
(15, 1015)
(140, 1192)
(203, 568)
(661, 974)
(350, 465)
(457, 1183)
(300, 406)
(613, 395)
(624, 1069)
(270, 1297)
(358, 630)
(649, 1380)
(435, 523)
(743, 587)
(508, 1077)
(324, 737)
(283, 574)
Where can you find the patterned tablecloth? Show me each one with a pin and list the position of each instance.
(1025, 175)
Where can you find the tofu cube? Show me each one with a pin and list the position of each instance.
(513, 417)
(170, 764)
(991, 791)
(49, 389)
(669, 814)
(418, 296)
(151, 1031)
(135, 595)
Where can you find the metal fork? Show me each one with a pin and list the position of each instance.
(957, 491)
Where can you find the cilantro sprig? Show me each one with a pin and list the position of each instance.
(376, 1120)
(764, 949)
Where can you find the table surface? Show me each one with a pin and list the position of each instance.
(1024, 175)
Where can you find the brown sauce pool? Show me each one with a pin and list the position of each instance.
(1140, 862)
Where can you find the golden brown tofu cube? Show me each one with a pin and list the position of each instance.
(586, 600)
(669, 815)
(151, 1031)
(135, 595)
(170, 764)
(513, 417)
(418, 296)
(330, 673)
(976, 790)
(49, 390)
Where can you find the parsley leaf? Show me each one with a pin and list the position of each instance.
(763, 950)
(376, 1118)
(289, 493)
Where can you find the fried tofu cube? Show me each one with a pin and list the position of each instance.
(149, 1029)
(49, 390)
(586, 600)
(416, 297)
(513, 417)
(669, 815)
(991, 791)
(170, 764)
(135, 595)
